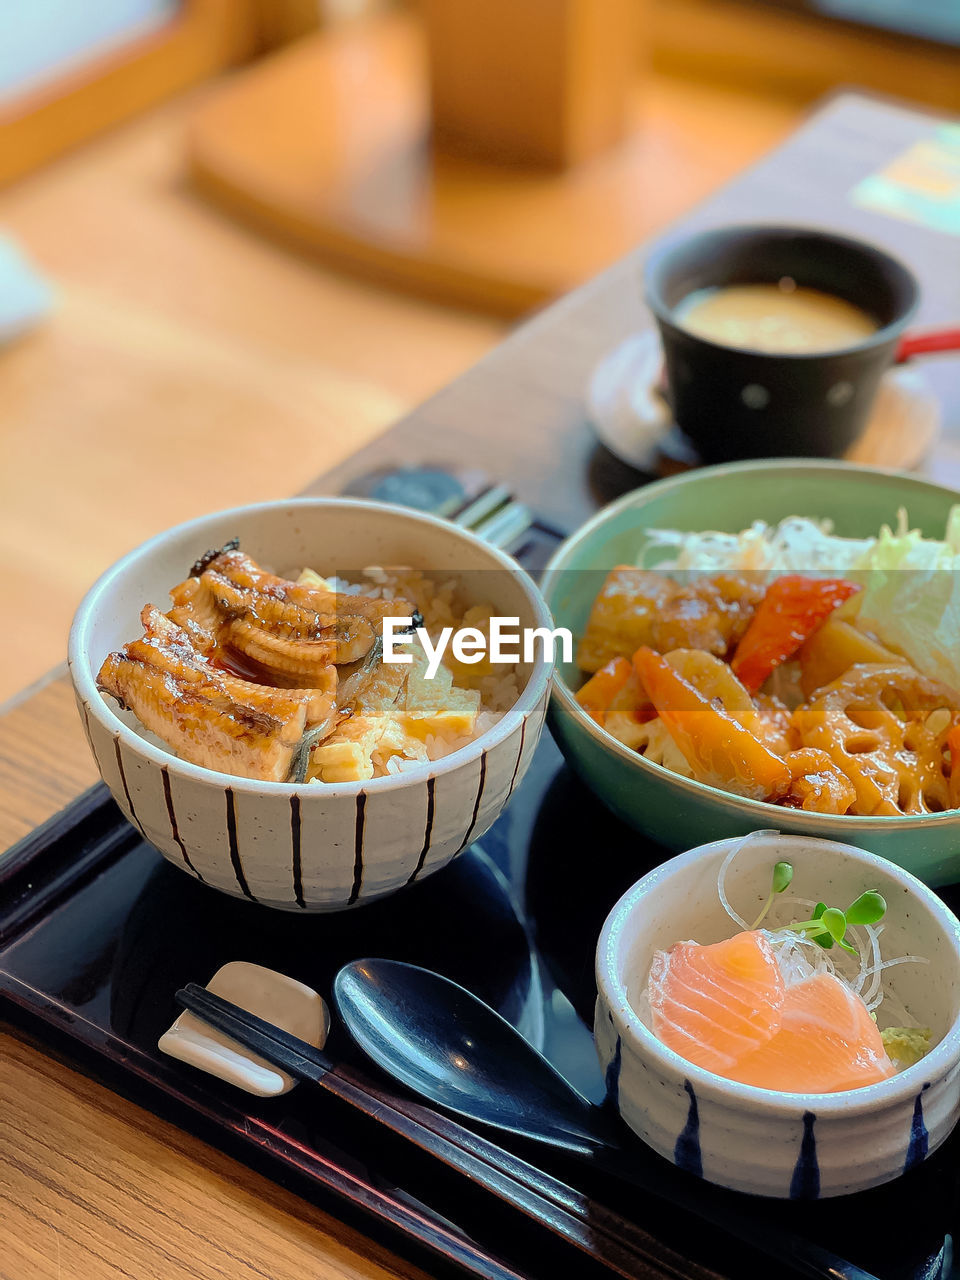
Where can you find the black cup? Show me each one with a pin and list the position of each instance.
(735, 403)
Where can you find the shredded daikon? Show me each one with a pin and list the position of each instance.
(722, 875)
(876, 982)
(800, 957)
(875, 1001)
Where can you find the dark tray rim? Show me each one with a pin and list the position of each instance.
(35, 869)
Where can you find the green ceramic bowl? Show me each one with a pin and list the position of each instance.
(678, 812)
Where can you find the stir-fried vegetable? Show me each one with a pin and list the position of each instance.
(791, 610)
(857, 726)
(834, 648)
(600, 690)
(911, 597)
(718, 748)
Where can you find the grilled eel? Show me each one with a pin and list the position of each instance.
(185, 678)
(244, 572)
(210, 716)
(281, 631)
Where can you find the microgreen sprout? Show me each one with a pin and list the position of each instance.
(828, 925)
(782, 875)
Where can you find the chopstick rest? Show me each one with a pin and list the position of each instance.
(288, 1004)
(619, 1244)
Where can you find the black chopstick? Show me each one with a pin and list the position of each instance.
(591, 1227)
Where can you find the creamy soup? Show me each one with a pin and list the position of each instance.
(780, 317)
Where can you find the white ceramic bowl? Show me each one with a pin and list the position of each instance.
(758, 1140)
(318, 847)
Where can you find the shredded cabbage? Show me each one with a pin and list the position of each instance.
(911, 584)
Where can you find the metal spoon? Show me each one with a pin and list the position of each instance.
(447, 1045)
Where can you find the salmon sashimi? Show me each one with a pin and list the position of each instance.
(827, 1042)
(716, 1004)
(725, 1007)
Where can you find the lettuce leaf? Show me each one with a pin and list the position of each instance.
(911, 597)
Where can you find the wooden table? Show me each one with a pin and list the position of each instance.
(96, 1188)
(175, 330)
(525, 401)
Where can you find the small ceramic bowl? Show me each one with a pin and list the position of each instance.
(680, 812)
(797, 1146)
(320, 846)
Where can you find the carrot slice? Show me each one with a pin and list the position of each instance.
(719, 750)
(601, 689)
(792, 609)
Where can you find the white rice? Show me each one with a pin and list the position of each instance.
(441, 606)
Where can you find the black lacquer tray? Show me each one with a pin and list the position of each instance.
(97, 932)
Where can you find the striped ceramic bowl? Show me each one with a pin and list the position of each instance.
(318, 847)
(789, 1145)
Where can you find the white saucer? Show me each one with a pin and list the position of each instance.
(628, 412)
(631, 417)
